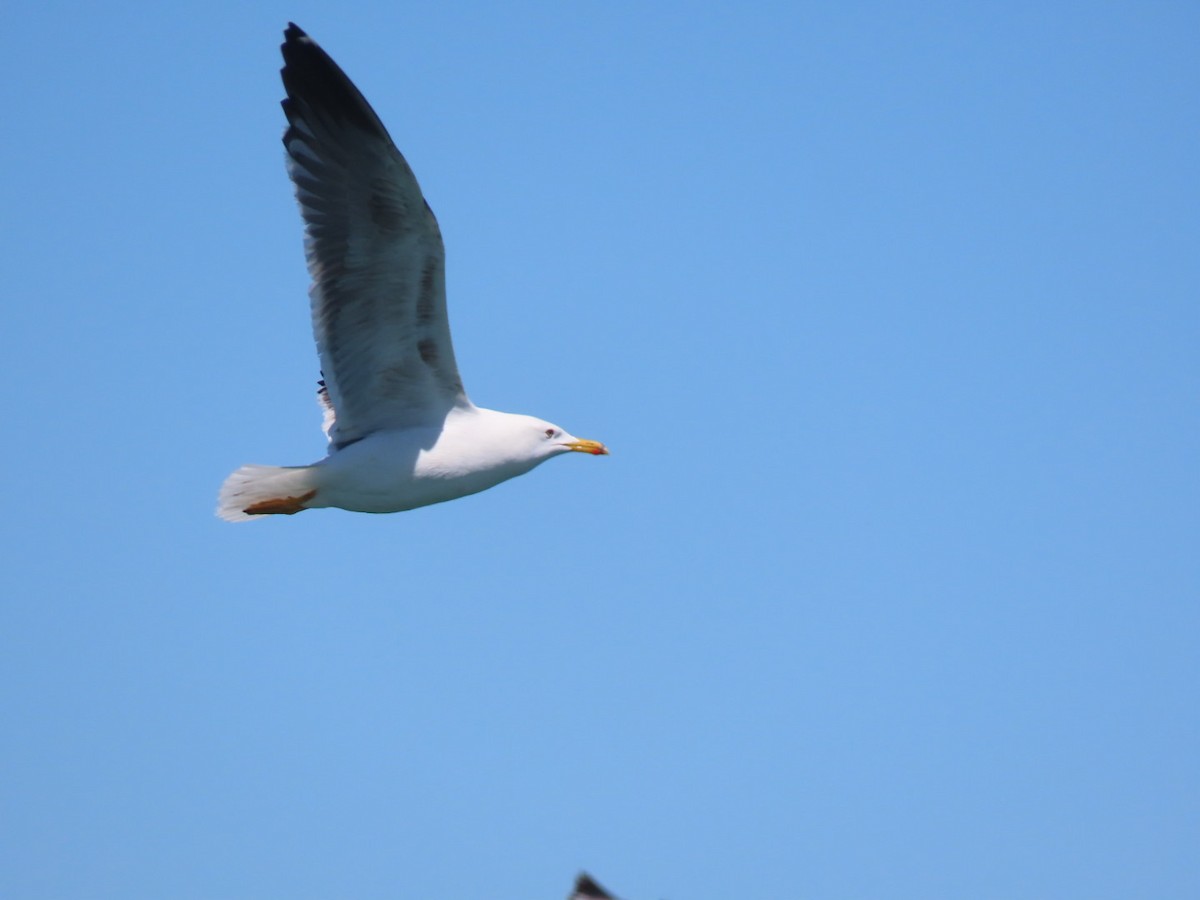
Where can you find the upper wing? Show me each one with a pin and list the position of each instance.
(374, 252)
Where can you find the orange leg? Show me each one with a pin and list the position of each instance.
(279, 506)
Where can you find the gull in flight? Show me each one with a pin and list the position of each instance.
(402, 432)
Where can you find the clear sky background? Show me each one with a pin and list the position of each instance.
(890, 588)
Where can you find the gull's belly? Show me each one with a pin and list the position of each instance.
(392, 471)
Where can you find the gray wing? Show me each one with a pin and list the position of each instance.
(375, 254)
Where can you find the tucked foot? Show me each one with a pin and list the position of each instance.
(279, 506)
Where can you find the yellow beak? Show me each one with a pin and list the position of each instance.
(593, 447)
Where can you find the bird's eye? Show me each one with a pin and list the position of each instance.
(550, 432)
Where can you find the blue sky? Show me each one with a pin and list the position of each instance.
(889, 589)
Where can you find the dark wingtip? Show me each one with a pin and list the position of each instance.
(316, 84)
(293, 34)
(586, 886)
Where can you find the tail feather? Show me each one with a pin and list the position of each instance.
(256, 491)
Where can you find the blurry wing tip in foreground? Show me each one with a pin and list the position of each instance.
(586, 888)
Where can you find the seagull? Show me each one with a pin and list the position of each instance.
(402, 432)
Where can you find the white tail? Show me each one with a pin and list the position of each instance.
(256, 491)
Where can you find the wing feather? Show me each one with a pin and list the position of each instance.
(374, 252)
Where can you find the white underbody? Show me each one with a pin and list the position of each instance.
(391, 471)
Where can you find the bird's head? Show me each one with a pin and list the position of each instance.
(548, 440)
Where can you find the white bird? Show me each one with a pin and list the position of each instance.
(402, 432)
